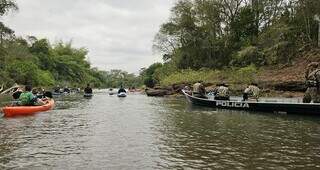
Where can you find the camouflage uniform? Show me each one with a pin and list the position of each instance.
(199, 90)
(312, 82)
(221, 93)
(252, 92)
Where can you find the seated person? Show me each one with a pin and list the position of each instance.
(88, 89)
(121, 90)
(48, 95)
(26, 98)
(16, 96)
(199, 90)
(57, 89)
(66, 90)
(221, 92)
(251, 92)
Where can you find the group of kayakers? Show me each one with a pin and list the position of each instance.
(222, 92)
(38, 96)
(66, 89)
(30, 97)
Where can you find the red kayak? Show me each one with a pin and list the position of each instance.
(11, 111)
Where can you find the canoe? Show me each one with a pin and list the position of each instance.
(274, 107)
(11, 111)
(122, 94)
(88, 95)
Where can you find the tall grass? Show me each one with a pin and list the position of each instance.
(231, 75)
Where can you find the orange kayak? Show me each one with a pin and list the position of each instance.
(11, 111)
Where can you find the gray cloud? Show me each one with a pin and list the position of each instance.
(118, 33)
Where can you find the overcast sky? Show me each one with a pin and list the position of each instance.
(117, 33)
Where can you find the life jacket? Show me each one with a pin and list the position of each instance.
(222, 91)
(26, 98)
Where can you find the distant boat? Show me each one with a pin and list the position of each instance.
(88, 95)
(111, 92)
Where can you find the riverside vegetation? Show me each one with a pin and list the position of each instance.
(38, 62)
(236, 41)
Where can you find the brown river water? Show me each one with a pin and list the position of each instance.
(140, 132)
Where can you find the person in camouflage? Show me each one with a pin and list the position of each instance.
(312, 76)
(199, 90)
(252, 92)
(221, 92)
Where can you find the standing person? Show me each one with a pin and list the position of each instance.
(199, 90)
(313, 83)
(221, 92)
(88, 89)
(251, 92)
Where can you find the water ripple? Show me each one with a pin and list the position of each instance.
(138, 132)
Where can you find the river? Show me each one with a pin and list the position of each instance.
(140, 132)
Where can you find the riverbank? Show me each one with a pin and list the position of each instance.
(278, 80)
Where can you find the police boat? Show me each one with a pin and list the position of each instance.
(261, 106)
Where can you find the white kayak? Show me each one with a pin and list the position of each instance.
(122, 94)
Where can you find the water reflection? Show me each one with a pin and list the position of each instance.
(198, 137)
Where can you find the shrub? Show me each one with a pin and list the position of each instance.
(247, 56)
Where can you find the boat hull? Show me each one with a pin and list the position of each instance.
(122, 95)
(12, 111)
(290, 108)
(88, 95)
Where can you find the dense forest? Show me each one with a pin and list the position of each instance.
(233, 35)
(38, 62)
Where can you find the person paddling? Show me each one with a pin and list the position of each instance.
(26, 98)
(88, 89)
(121, 90)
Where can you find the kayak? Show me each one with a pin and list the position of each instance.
(122, 94)
(11, 111)
(88, 95)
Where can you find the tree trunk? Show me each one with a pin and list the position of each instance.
(319, 34)
(1, 39)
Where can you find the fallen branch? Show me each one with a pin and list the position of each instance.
(10, 90)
